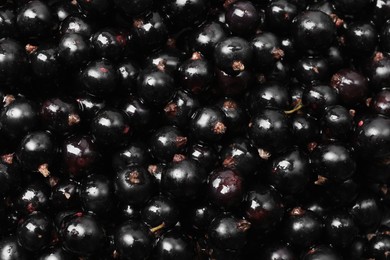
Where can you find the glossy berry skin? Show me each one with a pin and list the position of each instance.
(242, 18)
(313, 31)
(305, 129)
(279, 15)
(233, 55)
(89, 106)
(270, 130)
(278, 252)
(240, 155)
(74, 50)
(290, 172)
(64, 9)
(133, 240)
(133, 185)
(82, 235)
(134, 7)
(373, 138)
(228, 232)
(206, 38)
(60, 116)
(54, 253)
(138, 112)
(180, 109)
(317, 98)
(263, 208)
(340, 229)
(34, 197)
(45, 63)
(7, 22)
(19, 117)
(351, 86)
(66, 195)
(333, 161)
(135, 153)
(167, 60)
(321, 252)
(337, 123)
(312, 71)
(267, 50)
(183, 180)
(225, 188)
(167, 142)
(204, 154)
(150, 32)
(109, 43)
(34, 19)
(77, 23)
(366, 212)
(302, 228)
(155, 87)
(196, 74)
(378, 71)
(11, 250)
(233, 85)
(381, 103)
(174, 245)
(36, 152)
(185, 14)
(208, 124)
(35, 233)
(235, 115)
(158, 210)
(360, 39)
(201, 216)
(14, 61)
(127, 73)
(271, 94)
(96, 194)
(99, 78)
(379, 246)
(79, 155)
(110, 128)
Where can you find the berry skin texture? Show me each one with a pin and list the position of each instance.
(183, 180)
(82, 234)
(36, 152)
(14, 61)
(110, 128)
(155, 87)
(270, 130)
(174, 245)
(99, 78)
(34, 233)
(313, 31)
(133, 185)
(228, 232)
(263, 208)
(351, 86)
(11, 250)
(225, 188)
(133, 240)
(79, 155)
(302, 227)
(208, 124)
(233, 55)
(34, 19)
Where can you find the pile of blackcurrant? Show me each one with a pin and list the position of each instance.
(194, 129)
